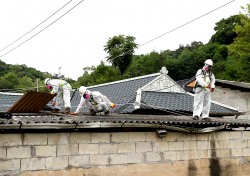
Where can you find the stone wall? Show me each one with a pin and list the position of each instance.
(125, 153)
(234, 98)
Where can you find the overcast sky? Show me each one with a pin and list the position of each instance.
(76, 39)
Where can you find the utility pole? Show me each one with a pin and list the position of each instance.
(37, 84)
(59, 71)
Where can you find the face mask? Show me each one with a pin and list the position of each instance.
(86, 96)
(207, 68)
(49, 87)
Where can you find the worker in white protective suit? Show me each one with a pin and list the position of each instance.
(62, 89)
(94, 101)
(205, 84)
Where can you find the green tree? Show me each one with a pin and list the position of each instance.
(98, 75)
(26, 83)
(84, 80)
(146, 64)
(120, 50)
(9, 81)
(241, 45)
(237, 66)
(225, 33)
(105, 74)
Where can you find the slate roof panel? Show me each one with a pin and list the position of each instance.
(123, 92)
(233, 84)
(7, 100)
(170, 102)
(119, 92)
(177, 101)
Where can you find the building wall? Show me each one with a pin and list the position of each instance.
(235, 98)
(125, 154)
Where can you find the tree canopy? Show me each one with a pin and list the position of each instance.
(120, 51)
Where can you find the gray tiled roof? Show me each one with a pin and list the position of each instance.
(234, 84)
(123, 94)
(171, 102)
(7, 100)
(120, 92)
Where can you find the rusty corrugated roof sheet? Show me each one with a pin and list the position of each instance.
(31, 102)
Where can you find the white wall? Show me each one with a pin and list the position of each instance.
(235, 98)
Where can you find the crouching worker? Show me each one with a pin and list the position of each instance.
(62, 89)
(94, 101)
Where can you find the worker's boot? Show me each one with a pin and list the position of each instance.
(106, 113)
(67, 110)
(92, 112)
(55, 110)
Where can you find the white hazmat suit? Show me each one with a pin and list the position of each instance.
(62, 89)
(97, 102)
(202, 99)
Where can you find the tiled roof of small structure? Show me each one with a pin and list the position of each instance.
(233, 84)
(119, 92)
(175, 103)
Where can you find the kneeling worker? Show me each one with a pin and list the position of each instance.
(95, 102)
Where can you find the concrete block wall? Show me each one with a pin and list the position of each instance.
(234, 98)
(125, 153)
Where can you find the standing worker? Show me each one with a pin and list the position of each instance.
(62, 89)
(95, 102)
(205, 81)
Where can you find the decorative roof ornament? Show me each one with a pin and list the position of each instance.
(164, 70)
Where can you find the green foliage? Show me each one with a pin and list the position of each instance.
(237, 69)
(225, 33)
(241, 45)
(145, 64)
(83, 80)
(237, 66)
(120, 50)
(20, 78)
(26, 82)
(9, 81)
(186, 65)
(99, 75)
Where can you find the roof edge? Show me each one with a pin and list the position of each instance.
(120, 81)
(227, 106)
(7, 93)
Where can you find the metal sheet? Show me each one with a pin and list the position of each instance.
(31, 102)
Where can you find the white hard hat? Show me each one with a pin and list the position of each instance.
(46, 81)
(82, 90)
(209, 62)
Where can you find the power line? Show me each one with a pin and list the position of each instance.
(128, 50)
(42, 29)
(35, 27)
(177, 28)
(186, 23)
